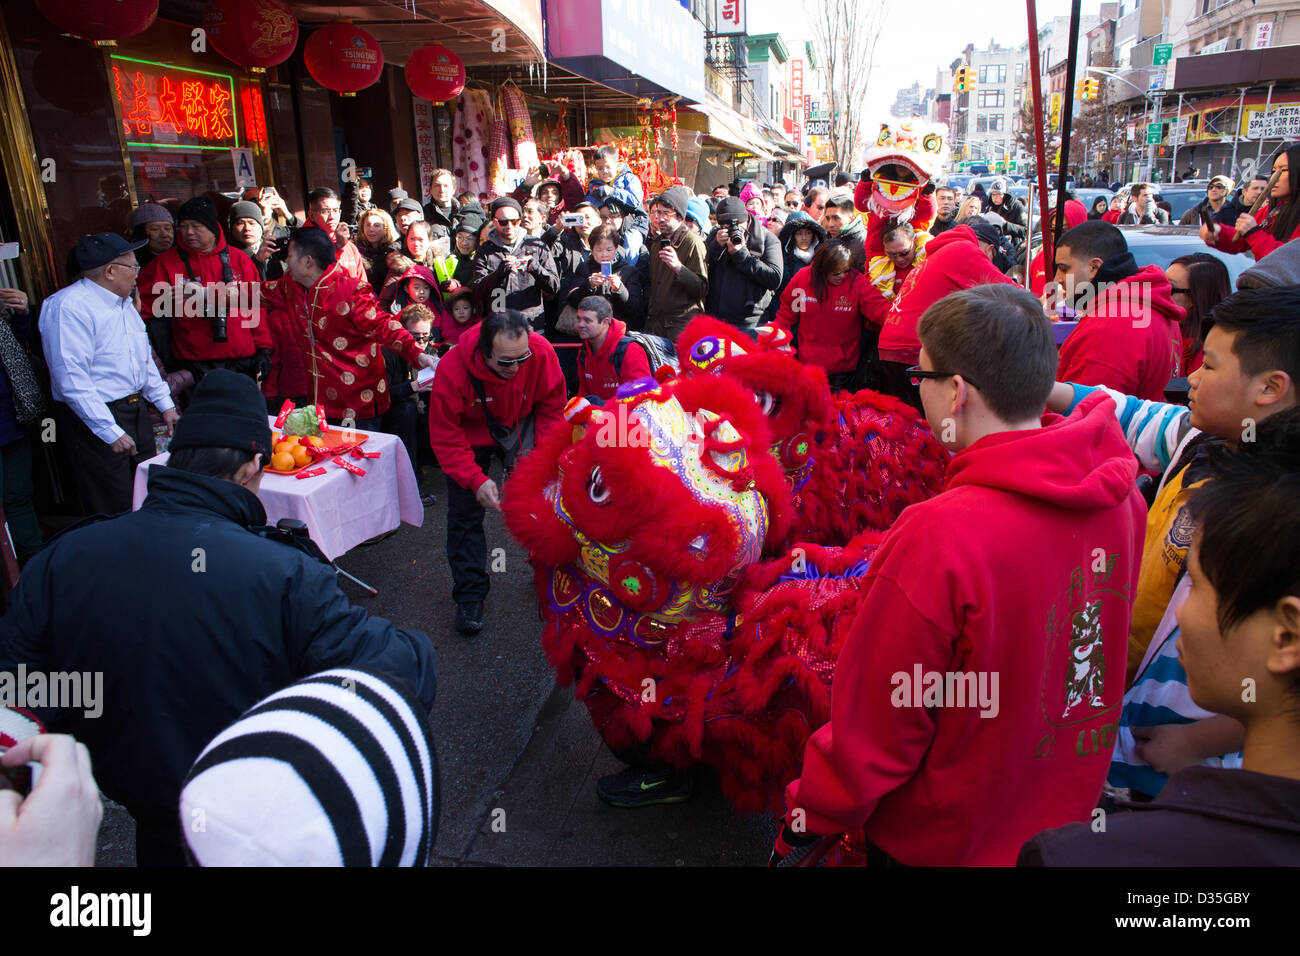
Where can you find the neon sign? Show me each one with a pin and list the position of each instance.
(169, 107)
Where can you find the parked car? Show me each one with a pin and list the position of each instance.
(1161, 245)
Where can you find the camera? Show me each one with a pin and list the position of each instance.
(218, 326)
(572, 219)
(737, 233)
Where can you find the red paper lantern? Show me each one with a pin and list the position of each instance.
(343, 57)
(253, 33)
(100, 20)
(435, 73)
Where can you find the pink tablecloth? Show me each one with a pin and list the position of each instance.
(339, 508)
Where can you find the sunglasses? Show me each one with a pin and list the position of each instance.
(792, 205)
(916, 373)
(422, 336)
(506, 363)
(504, 222)
(1176, 290)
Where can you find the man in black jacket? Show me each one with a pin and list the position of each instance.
(512, 270)
(441, 209)
(744, 262)
(1009, 208)
(190, 616)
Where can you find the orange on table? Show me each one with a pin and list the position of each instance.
(283, 461)
(301, 455)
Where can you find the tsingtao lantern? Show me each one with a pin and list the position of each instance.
(103, 21)
(343, 57)
(253, 33)
(435, 73)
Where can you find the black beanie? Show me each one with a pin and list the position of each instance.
(228, 411)
(503, 201)
(201, 210)
(731, 209)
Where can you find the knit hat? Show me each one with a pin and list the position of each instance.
(1280, 267)
(408, 205)
(338, 769)
(227, 411)
(151, 212)
(748, 192)
(470, 222)
(245, 210)
(998, 185)
(732, 210)
(396, 195)
(698, 209)
(503, 202)
(675, 198)
(201, 210)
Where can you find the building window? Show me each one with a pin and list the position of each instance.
(989, 99)
(993, 73)
(1020, 73)
(981, 124)
(997, 123)
(1019, 92)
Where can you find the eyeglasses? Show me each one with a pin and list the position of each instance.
(504, 222)
(1177, 290)
(133, 266)
(515, 361)
(792, 205)
(1217, 186)
(917, 374)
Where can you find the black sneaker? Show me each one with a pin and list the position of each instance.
(469, 617)
(428, 499)
(645, 786)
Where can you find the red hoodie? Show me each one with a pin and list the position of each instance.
(828, 330)
(457, 424)
(1075, 213)
(1022, 568)
(246, 329)
(953, 261)
(1130, 340)
(597, 373)
(1261, 241)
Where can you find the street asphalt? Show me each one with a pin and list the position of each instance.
(518, 754)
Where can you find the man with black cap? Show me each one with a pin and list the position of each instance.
(101, 373)
(192, 614)
(209, 293)
(247, 233)
(406, 212)
(674, 268)
(513, 270)
(394, 197)
(744, 264)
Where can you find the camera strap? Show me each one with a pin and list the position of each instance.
(227, 273)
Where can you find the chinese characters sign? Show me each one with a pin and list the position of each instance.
(796, 83)
(425, 158)
(172, 107)
(729, 17)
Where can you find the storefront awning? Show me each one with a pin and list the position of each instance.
(648, 50)
(727, 126)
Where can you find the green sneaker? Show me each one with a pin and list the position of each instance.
(645, 786)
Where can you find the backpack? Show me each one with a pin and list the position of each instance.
(659, 351)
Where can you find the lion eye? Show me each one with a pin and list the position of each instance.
(768, 402)
(885, 135)
(932, 143)
(596, 489)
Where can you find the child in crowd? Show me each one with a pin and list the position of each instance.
(1240, 646)
(417, 286)
(959, 599)
(459, 317)
(1251, 362)
(409, 400)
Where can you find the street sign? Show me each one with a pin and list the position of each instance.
(1156, 80)
(1153, 133)
(1162, 54)
(818, 127)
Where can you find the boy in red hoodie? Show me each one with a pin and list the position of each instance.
(979, 690)
(604, 361)
(1129, 334)
(500, 387)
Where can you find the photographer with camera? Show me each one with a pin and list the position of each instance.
(744, 262)
(512, 270)
(207, 291)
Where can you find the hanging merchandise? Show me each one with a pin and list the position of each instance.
(252, 33)
(520, 126)
(498, 159)
(343, 57)
(435, 73)
(103, 21)
(562, 129)
(471, 126)
(573, 161)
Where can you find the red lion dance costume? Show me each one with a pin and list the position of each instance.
(895, 184)
(698, 546)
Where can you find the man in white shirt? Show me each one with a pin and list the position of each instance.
(102, 374)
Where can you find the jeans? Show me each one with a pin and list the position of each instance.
(16, 479)
(466, 542)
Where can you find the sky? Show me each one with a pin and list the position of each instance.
(919, 37)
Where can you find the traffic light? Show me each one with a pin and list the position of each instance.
(964, 80)
(1089, 88)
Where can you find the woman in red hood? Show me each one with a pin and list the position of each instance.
(1075, 213)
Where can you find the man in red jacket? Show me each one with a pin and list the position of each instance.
(978, 693)
(328, 330)
(961, 258)
(207, 293)
(496, 392)
(1128, 337)
(604, 361)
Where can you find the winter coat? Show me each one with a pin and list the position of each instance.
(183, 654)
(1155, 217)
(375, 259)
(457, 424)
(1129, 339)
(790, 263)
(571, 256)
(942, 765)
(854, 235)
(192, 340)
(741, 283)
(1012, 211)
(1259, 240)
(827, 329)
(626, 188)
(597, 374)
(333, 331)
(524, 287)
(628, 302)
(441, 221)
(673, 299)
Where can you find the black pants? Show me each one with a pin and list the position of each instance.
(401, 420)
(105, 480)
(158, 841)
(466, 542)
(895, 381)
(244, 366)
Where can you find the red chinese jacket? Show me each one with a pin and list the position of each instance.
(333, 331)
